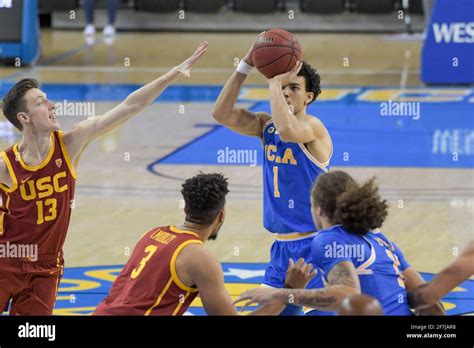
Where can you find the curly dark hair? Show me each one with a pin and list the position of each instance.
(14, 102)
(358, 208)
(313, 80)
(204, 197)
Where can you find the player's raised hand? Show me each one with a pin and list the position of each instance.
(289, 75)
(185, 67)
(300, 274)
(248, 56)
(258, 296)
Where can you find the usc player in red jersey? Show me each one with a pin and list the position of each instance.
(169, 265)
(37, 182)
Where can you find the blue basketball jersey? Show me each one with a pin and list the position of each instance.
(378, 261)
(289, 172)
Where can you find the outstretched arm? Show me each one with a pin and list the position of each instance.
(446, 280)
(343, 281)
(413, 280)
(297, 277)
(207, 276)
(83, 133)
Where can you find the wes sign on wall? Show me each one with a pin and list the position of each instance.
(448, 51)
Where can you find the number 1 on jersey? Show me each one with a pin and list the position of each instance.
(276, 193)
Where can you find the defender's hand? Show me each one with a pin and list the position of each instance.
(186, 66)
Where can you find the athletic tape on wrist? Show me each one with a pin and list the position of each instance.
(244, 68)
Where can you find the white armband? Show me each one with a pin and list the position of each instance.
(244, 68)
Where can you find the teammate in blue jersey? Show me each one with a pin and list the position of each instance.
(297, 149)
(351, 253)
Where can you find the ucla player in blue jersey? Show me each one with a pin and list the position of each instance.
(351, 253)
(297, 149)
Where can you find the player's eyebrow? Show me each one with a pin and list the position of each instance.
(42, 96)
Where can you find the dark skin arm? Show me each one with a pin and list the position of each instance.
(413, 280)
(207, 276)
(451, 276)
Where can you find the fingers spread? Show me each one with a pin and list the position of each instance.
(300, 262)
(241, 298)
(308, 268)
(247, 304)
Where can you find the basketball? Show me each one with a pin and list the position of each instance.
(276, 52)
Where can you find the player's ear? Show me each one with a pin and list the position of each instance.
(319, 211)
(309, 97)
(23, 117)
(221, 216)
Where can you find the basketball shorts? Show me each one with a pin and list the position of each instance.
(30, 288)
(281, 251)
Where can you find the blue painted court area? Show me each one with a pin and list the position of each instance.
(83, 288)
(369, 126)
(441, 135)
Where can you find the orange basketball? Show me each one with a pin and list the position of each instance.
(276, 52)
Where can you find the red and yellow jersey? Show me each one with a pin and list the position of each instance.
(36, 209)
(149, 284)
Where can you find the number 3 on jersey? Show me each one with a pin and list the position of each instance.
(150, 249)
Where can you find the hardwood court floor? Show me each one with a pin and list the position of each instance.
(118, 199)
